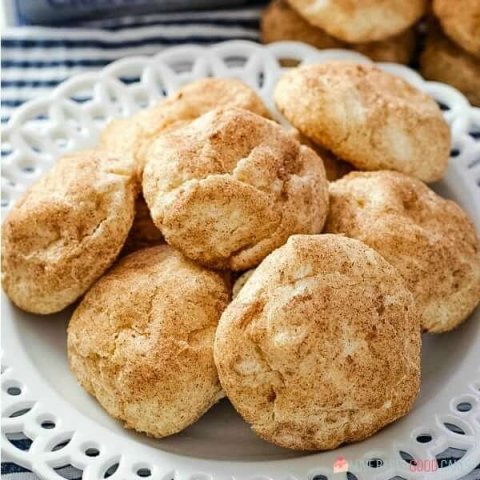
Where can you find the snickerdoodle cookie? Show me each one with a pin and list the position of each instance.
(321, 346)
(66, 230)
(368, 117)
(280, 22)
(132, 136)
(443, 61)
(359, 21)
(141, 341)
(143, 233)
(231, 186)
(429, 240)
(460, 19)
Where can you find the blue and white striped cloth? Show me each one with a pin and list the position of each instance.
(36, 59)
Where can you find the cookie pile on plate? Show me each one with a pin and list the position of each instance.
(388, 31)
(452, 50)
(210, 255)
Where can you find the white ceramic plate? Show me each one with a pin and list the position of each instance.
(41, 399)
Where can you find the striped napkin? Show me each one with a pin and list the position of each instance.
(36, 59)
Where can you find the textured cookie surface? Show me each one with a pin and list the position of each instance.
(230, 187)
(460, 19)
(141, 341)
(430, 240)
(280, 22)
(443, 61)
(299, 351)
(66, 230)
(133, 135)
(358, 21)
(367, 117)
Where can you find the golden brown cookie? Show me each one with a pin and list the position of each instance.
(368, 117)
(360, 21)
(429, 240)
(280, 22)
(443, 61)
(321, 346)
(133, 135)
(231, 186)
(141, 341)
(143, 233)
(66, 230)
(460, 19)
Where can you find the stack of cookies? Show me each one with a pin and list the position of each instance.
(383, 32)
(211, 257)
(452, 50)
(388, 31)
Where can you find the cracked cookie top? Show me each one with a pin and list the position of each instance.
(367, 117)
(66, 230)
(321, 346)
(132, 135)
(430, 240)
(141, 341)
(232, 186)
(358, 21)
